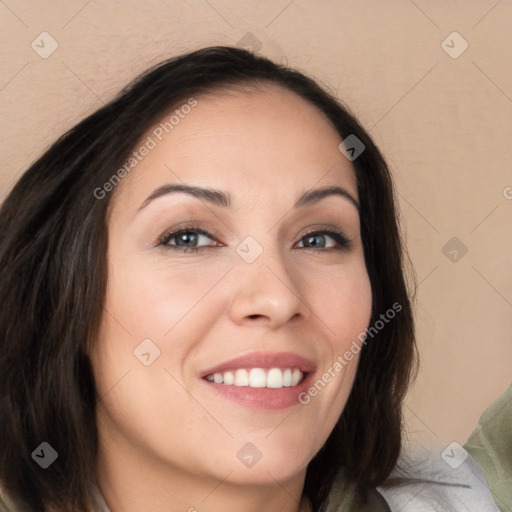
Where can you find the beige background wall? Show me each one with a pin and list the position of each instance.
(444, 122)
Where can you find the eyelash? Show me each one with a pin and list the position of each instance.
(343, 243)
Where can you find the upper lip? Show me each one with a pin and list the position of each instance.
(264, 360)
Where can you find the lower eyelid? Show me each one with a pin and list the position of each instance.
(341, 241)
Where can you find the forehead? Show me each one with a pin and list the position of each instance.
(268, 140)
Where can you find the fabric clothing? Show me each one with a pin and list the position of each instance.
(430, 484)
(490, 445)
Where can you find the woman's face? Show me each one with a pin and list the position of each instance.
(262, 303)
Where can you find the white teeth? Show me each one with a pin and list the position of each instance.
(274, 378)
(257, 378)
(297, 375)
(241, 378)
(287, 377)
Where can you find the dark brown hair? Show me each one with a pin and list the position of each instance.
(53, 274)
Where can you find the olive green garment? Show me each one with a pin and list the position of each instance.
(490, 445)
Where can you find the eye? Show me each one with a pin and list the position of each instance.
(341, 242)
(187, 240)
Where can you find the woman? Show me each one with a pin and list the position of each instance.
(204, 302)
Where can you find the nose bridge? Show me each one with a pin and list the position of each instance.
(268, 281)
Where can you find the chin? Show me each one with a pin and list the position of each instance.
(264, 474)
(265, 466)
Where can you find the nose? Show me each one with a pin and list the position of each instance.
(268, 291)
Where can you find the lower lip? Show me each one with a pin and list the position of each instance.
(263, 398)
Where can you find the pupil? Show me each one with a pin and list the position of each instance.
(186, 237)
(312, 237)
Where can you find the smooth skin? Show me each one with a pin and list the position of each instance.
(168, 442)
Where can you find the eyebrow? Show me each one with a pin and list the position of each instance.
(223, 199)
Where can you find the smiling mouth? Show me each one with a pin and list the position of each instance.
(273, 378)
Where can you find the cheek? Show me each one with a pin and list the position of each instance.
(159, 308)
(150, 298)
(344, 303)
(344, 306)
